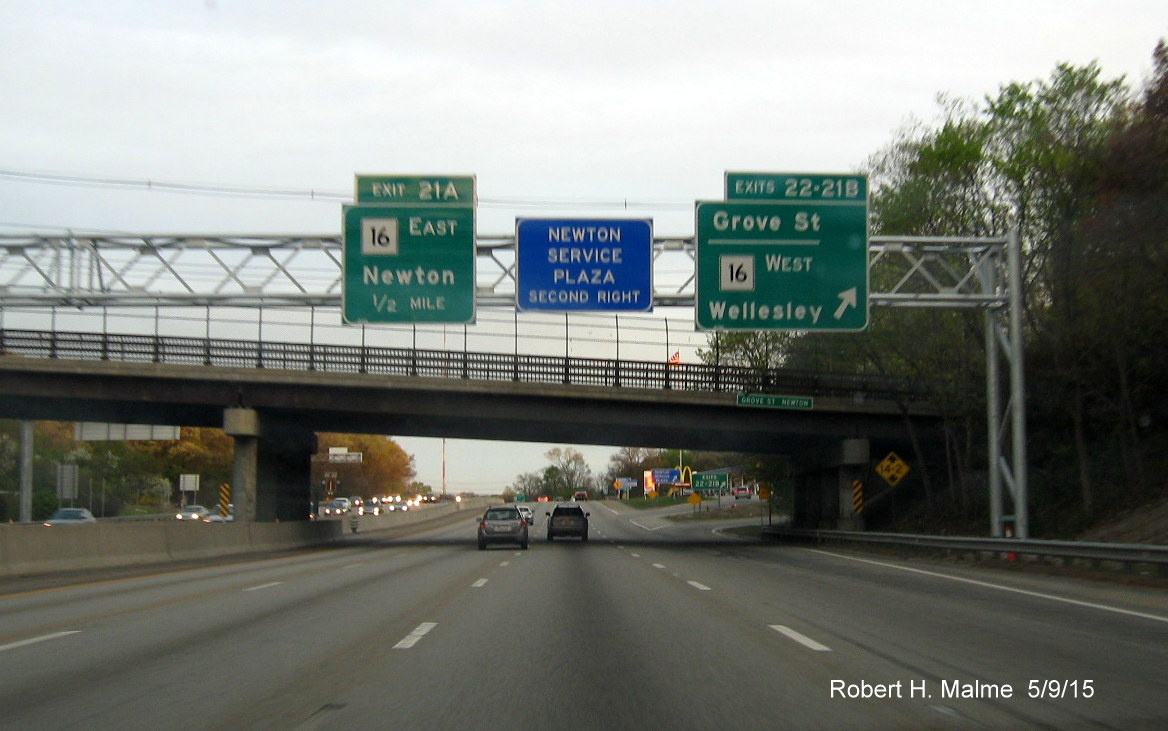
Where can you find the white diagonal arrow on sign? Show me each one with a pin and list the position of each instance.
(847, 299)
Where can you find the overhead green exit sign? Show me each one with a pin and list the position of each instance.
(446, 190)
(409, 250)
(784, 251)
(408, 264)
(796, 186)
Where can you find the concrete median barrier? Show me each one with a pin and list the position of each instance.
(28, 549)
(36, 549)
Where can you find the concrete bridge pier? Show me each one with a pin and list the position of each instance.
(272, 471)
(823, 495)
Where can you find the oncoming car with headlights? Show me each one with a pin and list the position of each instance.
(192, 512)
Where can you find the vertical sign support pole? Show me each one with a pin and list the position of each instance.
(667, 353)
(27, 435)
(1018, 390)
(993, 409)
(616, 379)
(1004, 336)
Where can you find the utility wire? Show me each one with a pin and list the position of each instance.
(310, 194)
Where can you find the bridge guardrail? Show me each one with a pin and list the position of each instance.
(452, 364)
(1127, 554)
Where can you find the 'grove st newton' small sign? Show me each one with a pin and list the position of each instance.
(768, 401)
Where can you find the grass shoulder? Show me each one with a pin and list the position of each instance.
(710, 510)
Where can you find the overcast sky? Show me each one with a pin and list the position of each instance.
(552, 105)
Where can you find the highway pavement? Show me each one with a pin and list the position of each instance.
(651, 624)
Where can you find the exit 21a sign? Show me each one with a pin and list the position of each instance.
(409, 250)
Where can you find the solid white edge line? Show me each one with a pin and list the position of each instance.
(412, 638)
(999, 587)
(699, 586)
(800, 638)
(35, 640)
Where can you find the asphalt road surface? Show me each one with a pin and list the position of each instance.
(651, 624)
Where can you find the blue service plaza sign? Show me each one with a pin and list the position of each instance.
(574, 265)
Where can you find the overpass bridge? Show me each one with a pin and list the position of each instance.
(272, 397)
(76, 273)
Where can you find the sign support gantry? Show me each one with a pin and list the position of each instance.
(73, 271)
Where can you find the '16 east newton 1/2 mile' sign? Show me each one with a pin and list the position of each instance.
(409, 250)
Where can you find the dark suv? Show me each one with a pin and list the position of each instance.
(568, 520)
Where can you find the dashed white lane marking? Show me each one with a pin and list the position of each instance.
(479, 584)
(696, 585)
(505, 563)
(800, 638)
(268, 585)
(999, 587)
(658, 565)
(35, 640)
(635, 555)
(412, 638)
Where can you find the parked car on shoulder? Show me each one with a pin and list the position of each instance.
(567, 520)
(70, 516)
(502, 524)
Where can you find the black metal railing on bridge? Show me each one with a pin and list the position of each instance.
(333, 358)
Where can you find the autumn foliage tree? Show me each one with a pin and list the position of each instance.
(385, 468)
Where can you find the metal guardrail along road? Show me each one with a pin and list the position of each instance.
(1128, 554)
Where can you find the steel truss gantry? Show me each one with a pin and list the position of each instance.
(82, 271)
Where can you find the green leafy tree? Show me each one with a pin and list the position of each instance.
(755, 350)
(1076, 166)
